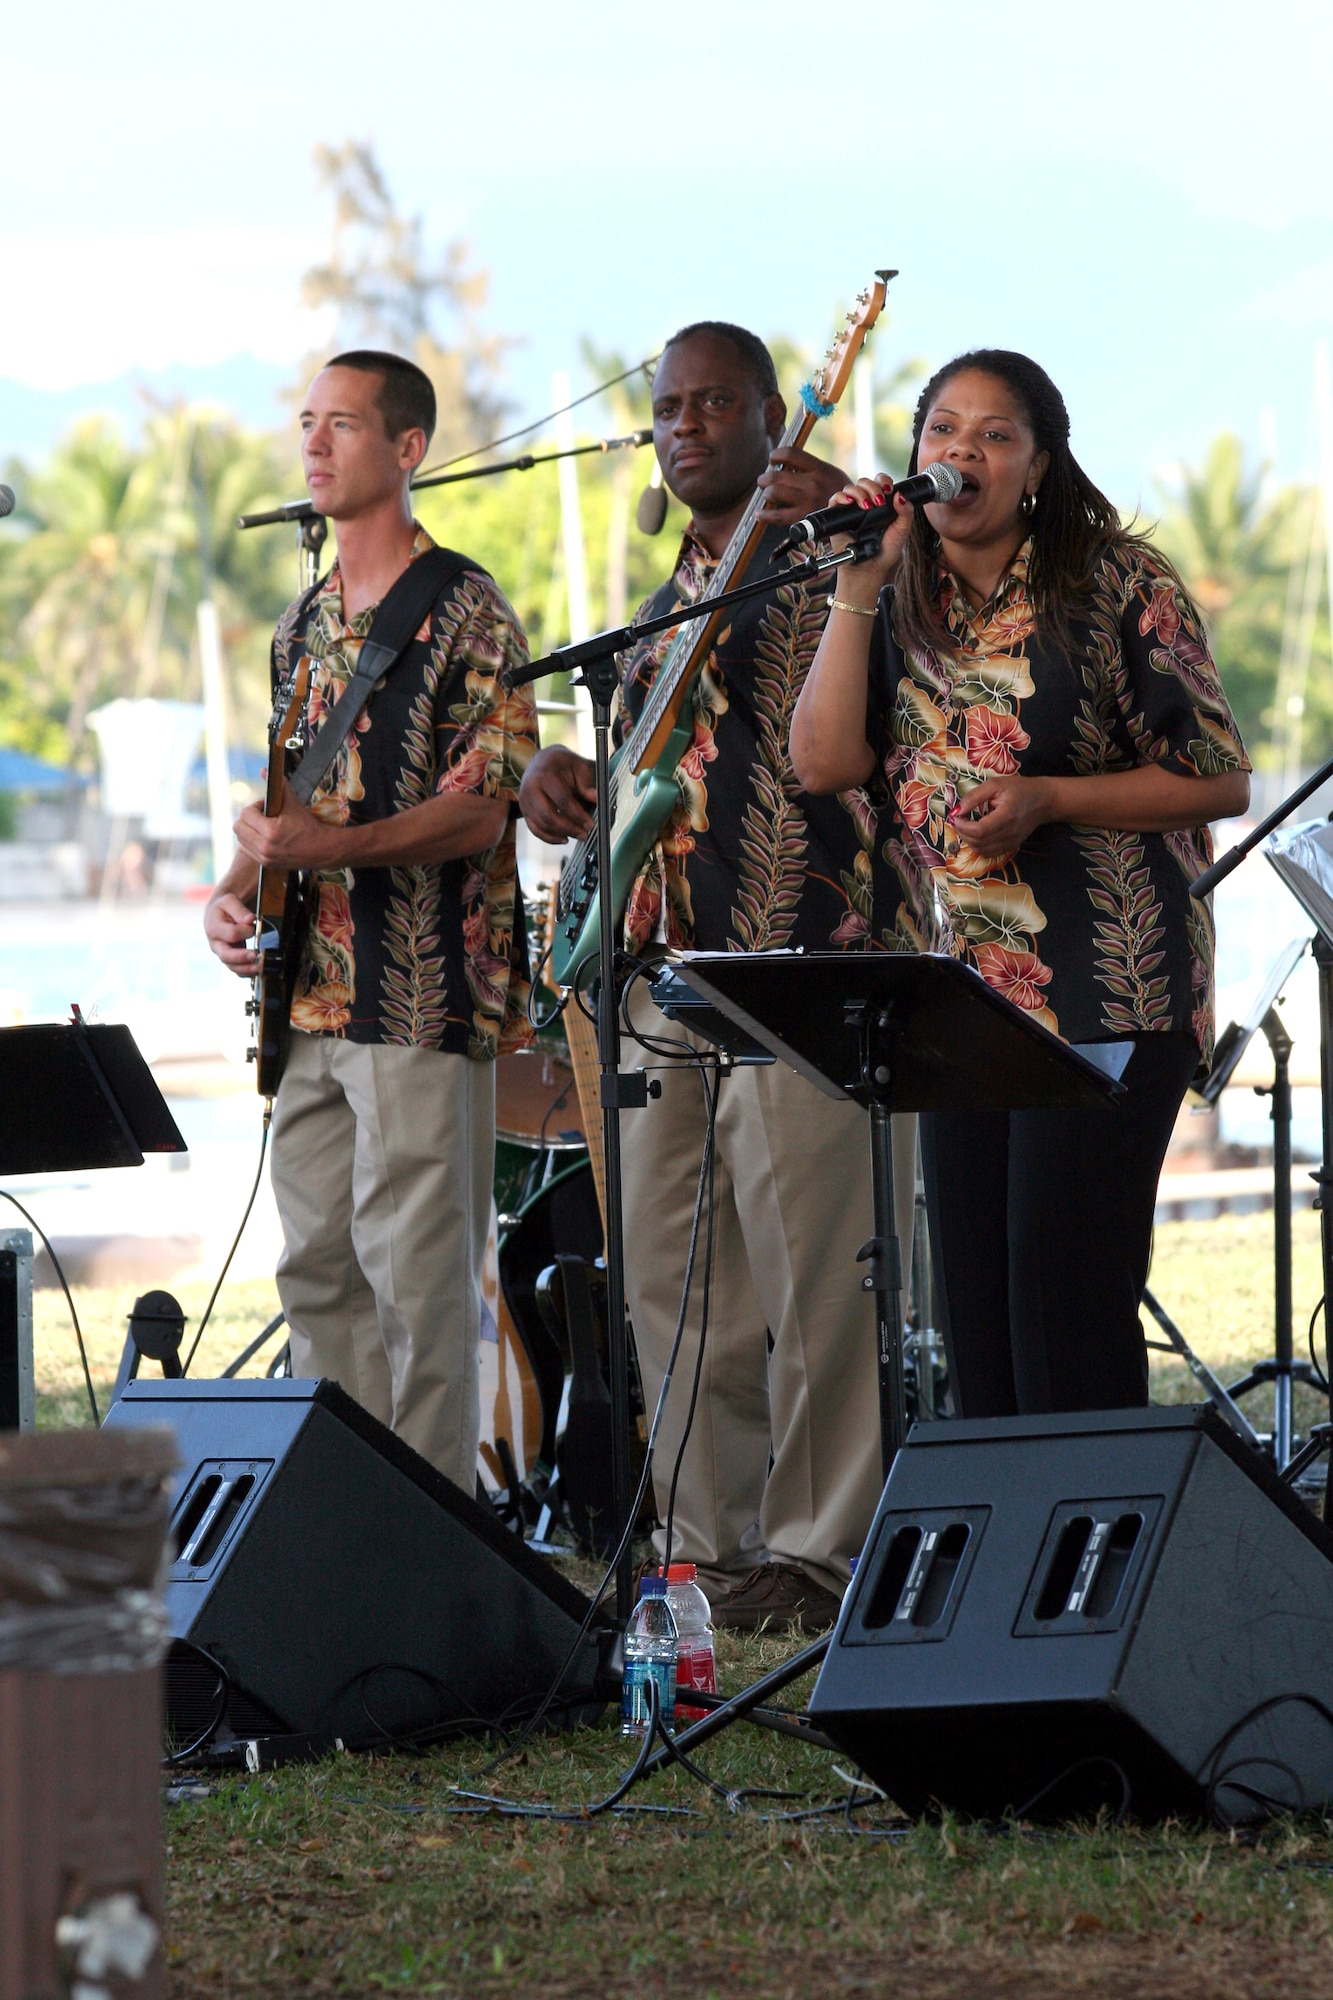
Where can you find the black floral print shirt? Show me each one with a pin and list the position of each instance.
(433, 956)
(1090, 929)
(748, 861)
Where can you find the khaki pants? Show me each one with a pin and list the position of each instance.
(792, 1207)
(382, 1165)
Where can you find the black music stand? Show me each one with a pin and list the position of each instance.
(896, 1032)
(76, 1095)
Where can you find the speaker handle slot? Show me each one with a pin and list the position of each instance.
(227, 1504)
(1064, 1567)
(934, 1597)
(893, 1574)
(192, 1513)
(1100, 1600)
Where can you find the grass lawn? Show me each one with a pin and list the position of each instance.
(371, 1874)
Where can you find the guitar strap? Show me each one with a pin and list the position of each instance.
(392, 630)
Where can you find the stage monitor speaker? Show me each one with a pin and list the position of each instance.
(350, 1592)
(1052, 1611)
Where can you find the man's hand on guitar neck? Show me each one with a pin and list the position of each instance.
(557, 795)
(796, 483)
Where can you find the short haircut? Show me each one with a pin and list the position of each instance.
(748, 345)
(406, 398)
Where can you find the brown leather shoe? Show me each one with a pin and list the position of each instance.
(778, 1594)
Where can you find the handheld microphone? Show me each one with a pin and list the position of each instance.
(7, 501)
(938, 482)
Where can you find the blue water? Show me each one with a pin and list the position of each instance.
(107, 971)
(115, 962)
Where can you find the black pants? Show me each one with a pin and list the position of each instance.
(1041, 1229)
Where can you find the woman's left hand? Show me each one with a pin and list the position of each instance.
(997, 816)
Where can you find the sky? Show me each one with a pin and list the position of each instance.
(1140, 195)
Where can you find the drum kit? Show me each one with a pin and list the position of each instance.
(545, 1443)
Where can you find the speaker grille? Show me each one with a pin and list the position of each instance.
(192, 1695)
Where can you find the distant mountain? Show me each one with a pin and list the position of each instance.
(31, 420)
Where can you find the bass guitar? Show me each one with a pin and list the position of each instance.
(281, 902)
(644, 786)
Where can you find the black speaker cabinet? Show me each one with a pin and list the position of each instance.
(1044, 1599)
(351, 1593)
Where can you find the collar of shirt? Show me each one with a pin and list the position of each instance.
(693, 568)
(973, 627)
(327, 610)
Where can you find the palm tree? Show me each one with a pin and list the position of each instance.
(114, 545)
(388, 292)
(1236, 552)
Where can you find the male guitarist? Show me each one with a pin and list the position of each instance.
(414, 966)
(748, 862)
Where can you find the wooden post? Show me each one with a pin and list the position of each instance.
(17, 1393)
(80, 1751)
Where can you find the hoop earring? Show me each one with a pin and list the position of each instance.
(1028, 506)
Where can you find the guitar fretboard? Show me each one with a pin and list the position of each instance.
(685, 649)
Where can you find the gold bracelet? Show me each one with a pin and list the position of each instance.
(861, 610)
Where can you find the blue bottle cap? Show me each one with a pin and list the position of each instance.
(653, 1586)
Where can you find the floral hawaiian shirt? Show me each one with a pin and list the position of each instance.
(432, 956)
(1090, 929)
(748, 861)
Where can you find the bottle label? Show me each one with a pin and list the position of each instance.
(696, 1668)
(634, 1707)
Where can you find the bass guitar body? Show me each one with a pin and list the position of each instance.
(281, 901)
(643, 803)
(282, 915)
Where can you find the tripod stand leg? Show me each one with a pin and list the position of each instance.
(1176, 1343)
(1323, 958)
(885, 1279)
(1279, 1041)
(740, 1705)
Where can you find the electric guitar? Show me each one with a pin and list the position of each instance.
(644, 786)
(281, 902)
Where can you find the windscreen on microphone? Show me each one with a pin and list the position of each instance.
(938, 483)
(651, 511)
(7, 501)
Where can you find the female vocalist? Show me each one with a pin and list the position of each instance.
(1034, 684)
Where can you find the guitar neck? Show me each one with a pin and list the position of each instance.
(581, 1036)
(678, 670)
(691, 647)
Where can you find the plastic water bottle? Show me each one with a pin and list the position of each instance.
(650, 1655)
(696, 1666)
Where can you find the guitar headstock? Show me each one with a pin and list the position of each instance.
(285, 725)
(831, 377)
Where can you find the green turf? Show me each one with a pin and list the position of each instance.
(366, 1874)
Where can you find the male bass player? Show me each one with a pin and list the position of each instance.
(749, 862)
(414, 970)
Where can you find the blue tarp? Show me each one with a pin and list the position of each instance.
(246, 764)
(21, 773)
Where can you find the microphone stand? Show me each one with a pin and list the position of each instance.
(593, 662)
(1321, 1435)
(304, 510)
